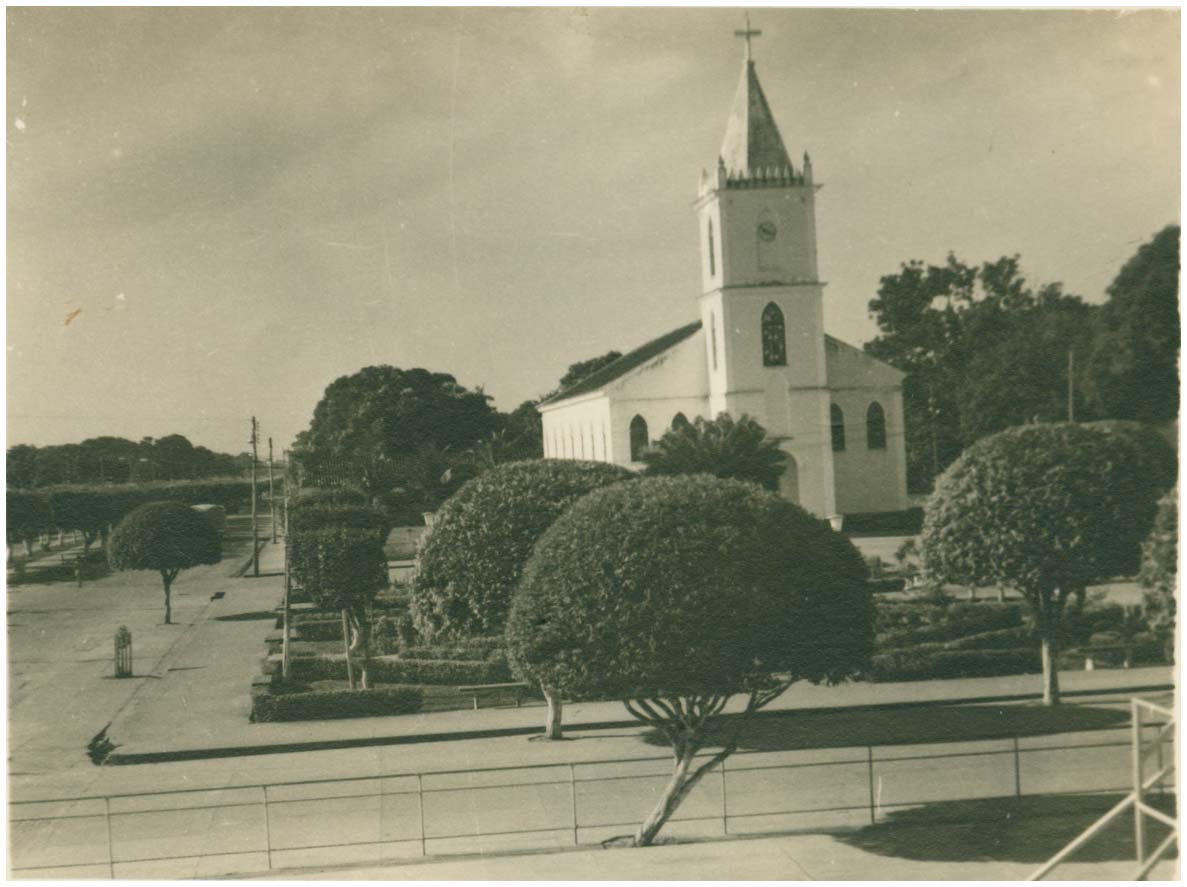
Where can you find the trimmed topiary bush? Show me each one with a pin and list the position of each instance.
(165, 536)
(342, 568)
(471, 561)
(1048, 510)
(675, 593)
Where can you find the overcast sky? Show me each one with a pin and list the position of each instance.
(235, 207)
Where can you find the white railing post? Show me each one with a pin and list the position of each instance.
(1139, 830)
(573, 796)
(110, 843)
(420, 803)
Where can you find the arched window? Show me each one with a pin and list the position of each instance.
(774, 339)
(639, 439)
(680, 421)
(876, 427)
(712, 253)
(837, 419)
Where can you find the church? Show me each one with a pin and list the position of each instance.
(758, 347)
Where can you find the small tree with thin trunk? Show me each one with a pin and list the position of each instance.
(675, 594)
(164, 536)
(470, 563)
(336, 553)
(1047, 510)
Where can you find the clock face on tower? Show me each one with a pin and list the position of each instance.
(767, 230)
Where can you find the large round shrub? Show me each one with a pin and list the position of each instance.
(164, 536)
(1160, 567)
(688, 584)
(1048, 510)
(674, 593)
(472, 559)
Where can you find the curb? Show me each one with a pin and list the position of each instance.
(117, 758)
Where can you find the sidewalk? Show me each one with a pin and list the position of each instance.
(785, 857)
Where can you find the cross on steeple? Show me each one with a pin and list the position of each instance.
(747, 34)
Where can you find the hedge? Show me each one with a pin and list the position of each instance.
(309, 518)
(329, 496)
(475, 649)
(901, 625)
(330, 704)
(28, 514)
(91, 508)
(395, 670)
(914, 665)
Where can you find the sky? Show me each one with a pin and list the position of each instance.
(214, 213)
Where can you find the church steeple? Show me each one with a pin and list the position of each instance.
(752, 141)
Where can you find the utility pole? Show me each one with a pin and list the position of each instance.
(255, 548)
(271, 500)
(288, 587)
(1071, 385)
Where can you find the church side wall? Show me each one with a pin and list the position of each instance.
(870, 479)
(580, 430)
(675, 382)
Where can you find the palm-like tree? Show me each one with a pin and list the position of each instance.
(722, 447)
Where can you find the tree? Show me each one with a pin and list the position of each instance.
(366, 423)
(955, 330)
(337, 556)
(1160, 568)
(165, 536)
(471, 562)
(722, 447)
(1134, 369)
(673, 594)
(585, 368)
(20, 466)
(1048, 510)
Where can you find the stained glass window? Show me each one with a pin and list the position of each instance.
(774, 339)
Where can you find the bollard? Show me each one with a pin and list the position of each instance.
(123, 652)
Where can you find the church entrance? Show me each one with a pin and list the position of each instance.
(789, 484)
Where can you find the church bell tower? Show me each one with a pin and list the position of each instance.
(761, 296)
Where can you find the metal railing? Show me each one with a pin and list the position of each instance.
(1136, 799)
(281, 825)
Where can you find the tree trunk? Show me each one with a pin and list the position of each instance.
(168, 580)
(552, 729)
(1050, 674)
(346, 648)
(361, 642)
(677, 789)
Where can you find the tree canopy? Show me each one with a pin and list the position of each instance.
(369, 422)
(1048, 510)
(722, 447)
(471, 561)
(1134, 370)
(674, 593)
(165, 536)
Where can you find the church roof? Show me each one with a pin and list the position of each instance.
(752, 141)
(625, 364)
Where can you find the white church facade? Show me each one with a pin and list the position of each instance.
(758, 347)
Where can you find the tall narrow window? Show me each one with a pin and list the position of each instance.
(639, 439)
(713, 337)
(774, 338)
(712, 253)
(680, 421)
(876, 427)
(837, 421)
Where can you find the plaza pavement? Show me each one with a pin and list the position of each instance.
(62, 690)
(783, 857)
